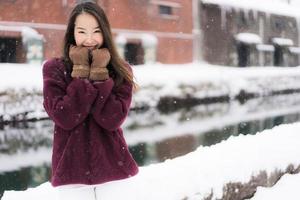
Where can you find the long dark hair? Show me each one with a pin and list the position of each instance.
(117, 66)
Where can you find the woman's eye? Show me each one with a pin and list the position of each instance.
(97, 31)
(80, 32)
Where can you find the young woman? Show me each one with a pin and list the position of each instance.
(87, 93)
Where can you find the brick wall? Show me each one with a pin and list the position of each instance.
(127, 16)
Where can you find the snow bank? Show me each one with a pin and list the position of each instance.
(286, 188)
(198, 173)
(20, 77)
(198, 80)
(201, 80)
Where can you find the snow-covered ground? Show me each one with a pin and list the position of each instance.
(206, 170)
(202, 80)
(286, 188)
(198, 80)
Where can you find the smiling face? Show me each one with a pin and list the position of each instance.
(87, 31)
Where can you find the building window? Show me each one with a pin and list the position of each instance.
(292, 25)
(279, 24)
(243, 51)
(165, 10)
(278, 56)
(134, 53)
(8, 50)
(242, 19)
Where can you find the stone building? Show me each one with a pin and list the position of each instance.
(238, 34)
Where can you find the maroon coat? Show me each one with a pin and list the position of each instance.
(88, 147)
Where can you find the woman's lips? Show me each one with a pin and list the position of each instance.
(90, 47)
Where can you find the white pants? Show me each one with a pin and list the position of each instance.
(76, 192)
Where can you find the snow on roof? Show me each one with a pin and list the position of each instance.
(26, 32)
(121, 39)
(282, 41)
(149, 40)
(295, 50)
(265, 47)
(249, 38)
(268, 6)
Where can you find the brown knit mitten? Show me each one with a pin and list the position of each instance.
(100, 59)
(80, 58)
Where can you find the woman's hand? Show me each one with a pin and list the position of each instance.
(80, 58)
(100, 60)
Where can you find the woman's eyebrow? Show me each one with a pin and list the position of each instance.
(78, 27)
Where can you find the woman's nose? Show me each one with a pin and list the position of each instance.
(89, 39)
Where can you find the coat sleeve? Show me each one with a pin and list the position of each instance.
(67, 105)
(112, 104)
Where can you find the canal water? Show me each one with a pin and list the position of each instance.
(152, 136)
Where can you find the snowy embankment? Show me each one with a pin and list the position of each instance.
(229, 170)
(200, 81)
(21, 85)
(286, 188)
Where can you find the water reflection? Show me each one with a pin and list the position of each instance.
(159, 151)
(25, 152)
(152, 136)
(25, 136)
(23, 178)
